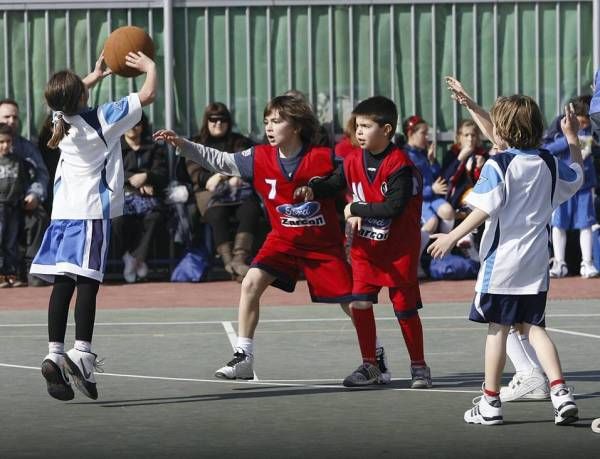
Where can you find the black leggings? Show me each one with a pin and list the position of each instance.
(85, 308)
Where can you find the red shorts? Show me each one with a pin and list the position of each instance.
(327, 273)
(406, 298)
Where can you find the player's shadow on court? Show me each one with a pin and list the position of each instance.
(244, 393)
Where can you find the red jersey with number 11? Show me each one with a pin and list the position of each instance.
(299, 225)
(386, 250)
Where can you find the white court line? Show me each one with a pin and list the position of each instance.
(233, 339)
(568, 332)
(275, 382)
(266, 321)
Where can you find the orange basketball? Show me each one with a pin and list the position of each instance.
(122, 41)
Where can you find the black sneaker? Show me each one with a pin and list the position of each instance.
(386, 376)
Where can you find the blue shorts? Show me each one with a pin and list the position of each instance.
(429, 209)
(576, 213)
(73, 248)
(509, 309)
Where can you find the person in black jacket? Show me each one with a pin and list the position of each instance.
(15, 178)
(146, 177)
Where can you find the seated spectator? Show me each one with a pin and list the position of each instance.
(36, 218)
(146, 176)
(578, 212)
(220, 198)
(15, 178)
(463, 161)
(437, 214)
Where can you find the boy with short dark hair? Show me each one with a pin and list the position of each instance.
(14, 181)
(385, 214)
(515, 195)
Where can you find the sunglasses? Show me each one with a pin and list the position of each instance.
(216, 119)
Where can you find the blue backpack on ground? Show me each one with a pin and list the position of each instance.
(193, 266)
(453, 267)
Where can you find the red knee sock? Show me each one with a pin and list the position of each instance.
(413, 337)
(364, 322)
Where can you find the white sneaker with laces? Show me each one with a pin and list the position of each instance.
(531, 385)
(240, 367)
(57, 381)
(565, 409)
(484, 412)
(558, 269)
(386, 375)
(588, 270)
(129, 268)
(81, 366)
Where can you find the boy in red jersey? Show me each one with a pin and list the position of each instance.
(385, 215)
(305, 236)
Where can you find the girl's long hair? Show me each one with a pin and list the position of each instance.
(63, 94)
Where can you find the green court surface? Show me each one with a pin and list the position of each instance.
(158, 396)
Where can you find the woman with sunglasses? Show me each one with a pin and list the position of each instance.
(220, 198)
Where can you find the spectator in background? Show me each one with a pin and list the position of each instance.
(219, 198)
(578, 212)
(50, 157)
(36, 217)
(146, 177)
(437, 214)
(14, 182)
(463, 161)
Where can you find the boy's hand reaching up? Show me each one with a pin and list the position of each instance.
(458, 92)
(569, 124)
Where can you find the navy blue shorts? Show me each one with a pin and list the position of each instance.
(509, 309)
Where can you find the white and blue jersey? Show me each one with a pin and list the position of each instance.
(519, 189)
(89, 177)
(88, 191)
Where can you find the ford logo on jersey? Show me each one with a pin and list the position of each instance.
(376, 229)
(302, 214)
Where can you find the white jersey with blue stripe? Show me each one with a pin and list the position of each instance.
(519, 189)
(89, 177)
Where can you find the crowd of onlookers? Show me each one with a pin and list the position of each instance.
(171, 208)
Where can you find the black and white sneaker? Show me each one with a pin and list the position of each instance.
(565, 409)
(386, 376)
(81, 366)
(485, 412)
(240, 367)
(365, 375)
(57, 381)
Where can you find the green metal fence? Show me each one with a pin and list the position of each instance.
(243, 53)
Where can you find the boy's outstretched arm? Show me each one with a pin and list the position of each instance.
(570, 127)
(479, 115)
(210, 158)
(444, 243)
(325, 187)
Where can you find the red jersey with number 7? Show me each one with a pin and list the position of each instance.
(386, 250)
(297, 224)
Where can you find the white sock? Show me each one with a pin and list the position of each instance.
(55, 347)
(83, 346)
(585, 242)
(377, 343)
(529, 351)
(245, 344)
(559, 243)
(445, 226)
(424, 241)
(516, 353)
